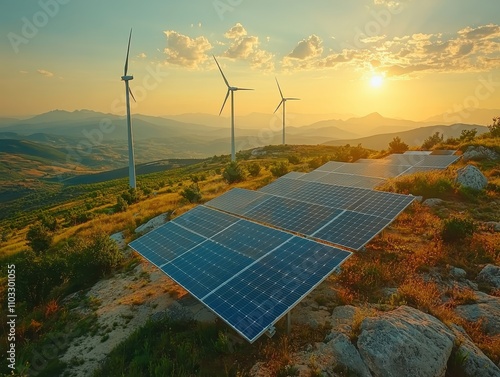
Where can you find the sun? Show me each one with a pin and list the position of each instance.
(376, 81)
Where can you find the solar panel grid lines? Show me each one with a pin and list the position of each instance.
(283, 185)
(439, 161)
(270, 288)
(165, 243)
(331, 166)
(313, 176)
(204, 221)
(237, 200)
(382, 204)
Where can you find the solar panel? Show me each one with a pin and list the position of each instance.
(420, 169)
(352, 229)
(263, 293)
(283, 185)
(313, 176)
(331, 166)
(204, 221)
(237, 200)
(373, 170)
(441, 162)
(165, 243)
(405, 159)
(292, 215)
(441, 152)
(293, 174)
(424, 153)
(382, 204)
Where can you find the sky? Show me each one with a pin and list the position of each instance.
(402, 58)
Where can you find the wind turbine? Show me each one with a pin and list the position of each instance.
(283, 101)
(231, 89)
(128, 93)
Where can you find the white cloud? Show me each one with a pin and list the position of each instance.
(45, 73)
(185, 51)
(308, 48)
(236, 31)
(142, 55)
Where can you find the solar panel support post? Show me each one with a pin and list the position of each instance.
(288, 323)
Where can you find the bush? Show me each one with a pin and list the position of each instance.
(131, 196)
(457, 229)
(121, 205)
(397, 146)
(192, 193)
(39, 238)
(279, 169)
(294, 159)
(254, 169)
(233, 173)
(433, 140)
(358, 152)
(495, 127)
(468, 135)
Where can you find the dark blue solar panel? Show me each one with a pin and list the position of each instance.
(292, 215)
(265, 291)
(382, 204)
(331, 166)
(251, 239)
(237, 200)
(283, 186)
(352, 229)
(165, 243)
(205, 221)
(205, 267)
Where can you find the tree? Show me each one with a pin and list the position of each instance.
(279, 169)
(233, 173)
(121, 205)
(397, 145)
(254, 169)
(358, 152)
(468, 135)
(192, 193)
(39, 238)
(495, 127)
(432, 140)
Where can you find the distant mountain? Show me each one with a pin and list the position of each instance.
(413, 137)
(28, 148)
(483, 117)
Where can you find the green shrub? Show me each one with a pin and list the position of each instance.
(254, 169)
(397, 146)
(495, 127)
(192, 193)
(279, 169)
(294, 159)
(457, 229)
(39, 238)
(433, 140)
(233, 173)
(121, 205)
(468, 135)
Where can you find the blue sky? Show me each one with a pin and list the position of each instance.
(430, 54)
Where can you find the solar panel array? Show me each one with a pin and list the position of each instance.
(345, 216)
(248, 274)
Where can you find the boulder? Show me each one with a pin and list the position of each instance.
(486, 309)
(432, 202)
(342, 318)
(472, 361)
(119, 238)
(480, 153)
(154, 223)
(458, 273)
(493, 225)
(490, 275)
(405, 342)
(347, 357)
(471, 177)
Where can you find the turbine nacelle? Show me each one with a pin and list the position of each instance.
(127, 78)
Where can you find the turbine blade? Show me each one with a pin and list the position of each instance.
(278, 106)
(222, 73)
(128, 50)
(224, 103)
(281, 93)
(242, 89)
(132, 94)
(292, 99)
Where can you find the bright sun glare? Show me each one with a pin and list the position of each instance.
(376, 81)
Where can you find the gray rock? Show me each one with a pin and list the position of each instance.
(419, 199)
(480, 153)
(405, 342)
(342, 318)
(486, 308)
(154, 223)
(475, 362)
(493, 225)
(119, 238)
(347, 356)
(471, 177)
(432, 202)
(458, 273)
(490, 275)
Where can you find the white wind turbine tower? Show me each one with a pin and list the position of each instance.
(283, 101)
(231, 89)
(128, 93)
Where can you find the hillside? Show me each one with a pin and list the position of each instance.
(412, 137)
